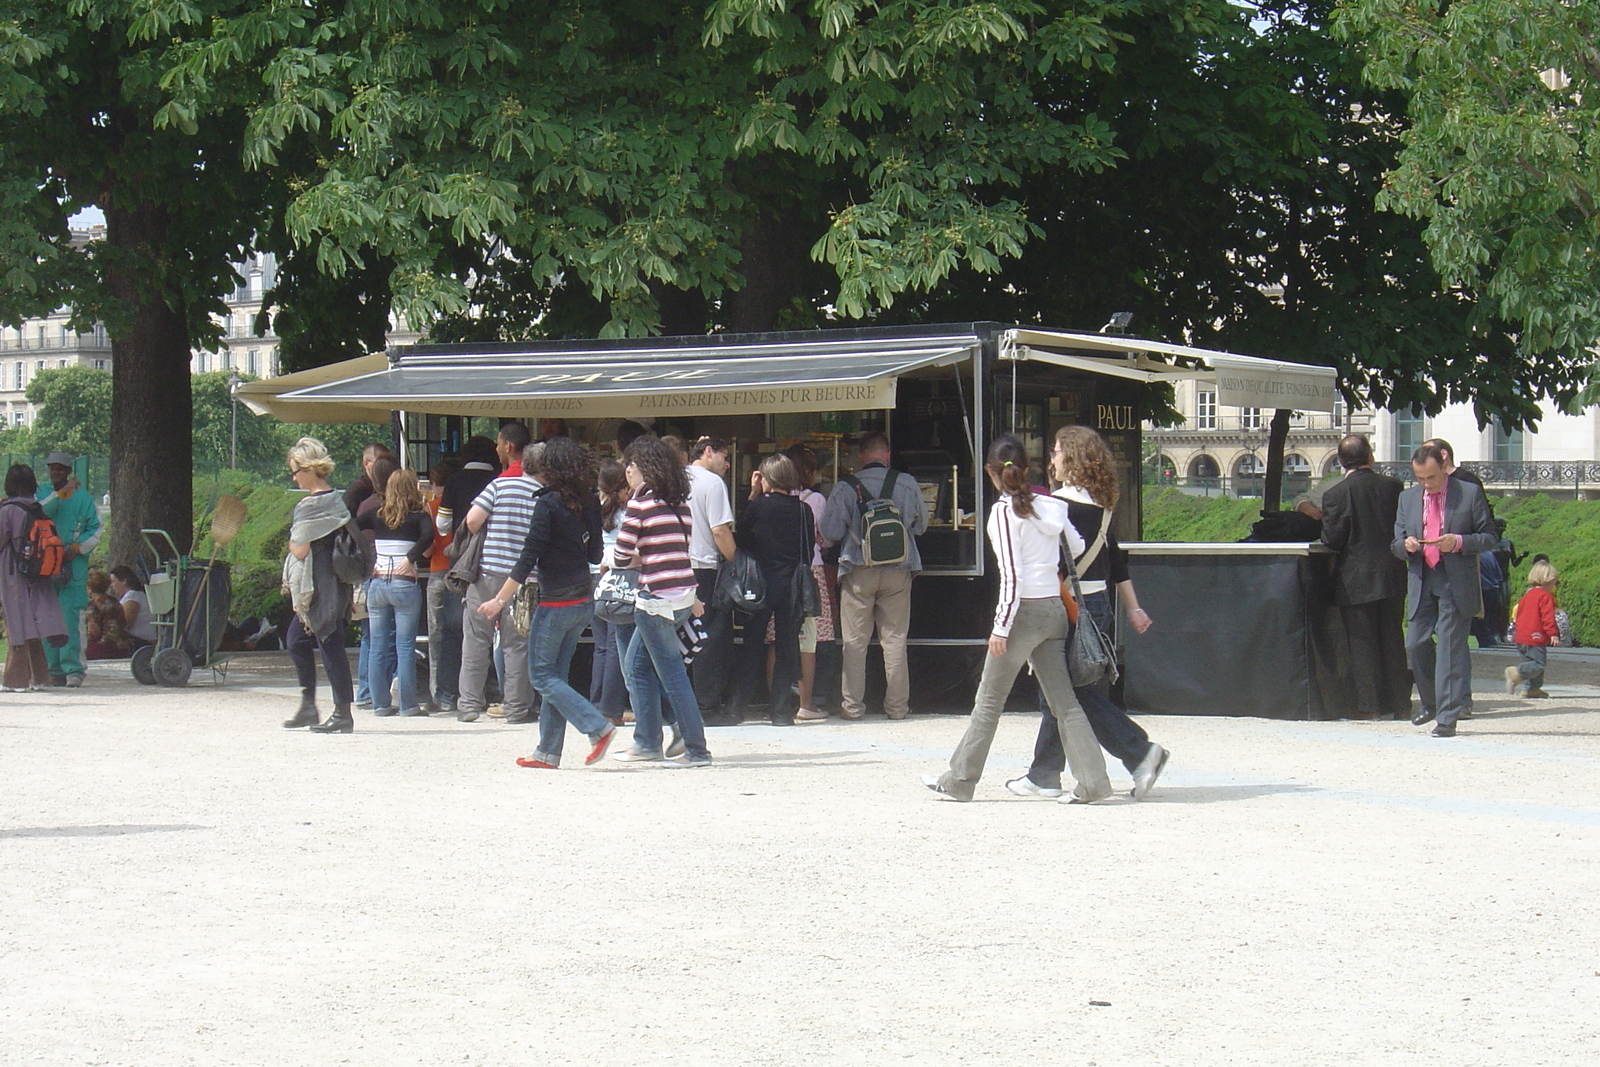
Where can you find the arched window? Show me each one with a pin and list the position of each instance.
(1203, 470)
(1160, 470)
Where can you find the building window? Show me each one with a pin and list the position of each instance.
(61, 364)
(202, 362)
(1249, 418)
(1507, 444)
(1409, 434)
(18, 375)
(254, 357)
(1205, 410)
(39, 366)
(99, 364)
(20, 418)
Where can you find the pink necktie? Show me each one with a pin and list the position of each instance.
(1432, 526)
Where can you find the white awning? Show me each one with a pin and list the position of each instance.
(1242, 381)
(266, 397)
(610, 381)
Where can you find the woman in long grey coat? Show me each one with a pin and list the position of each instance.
(33, 614)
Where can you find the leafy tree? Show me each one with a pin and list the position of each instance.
(214, 425)
(72, 410)
(644, 167)
(86, 119)
(1499, 158)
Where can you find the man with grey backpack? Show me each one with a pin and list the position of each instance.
(875, 516)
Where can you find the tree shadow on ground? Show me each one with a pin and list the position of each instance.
(118, 830)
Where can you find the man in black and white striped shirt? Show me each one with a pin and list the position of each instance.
(506, 506)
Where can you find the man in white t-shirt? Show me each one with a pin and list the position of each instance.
(711, 542)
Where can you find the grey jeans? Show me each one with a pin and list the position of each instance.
(477, 651)
(1038, 637)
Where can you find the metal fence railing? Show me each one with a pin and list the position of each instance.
(1547, 475)
(92, 472)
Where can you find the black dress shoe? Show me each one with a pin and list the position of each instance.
(722, 718)
(522, 719)
(1441, 730)
(1424, 717)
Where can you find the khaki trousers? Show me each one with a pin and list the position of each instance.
(1038, 638)
(881, 596)
(477, 652)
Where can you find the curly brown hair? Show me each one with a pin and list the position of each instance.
(1082, 459)
(664, 476)
(566, 467)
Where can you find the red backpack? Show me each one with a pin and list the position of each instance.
(37, 552)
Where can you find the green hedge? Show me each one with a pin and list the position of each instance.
(257, 552)
(1568, 531)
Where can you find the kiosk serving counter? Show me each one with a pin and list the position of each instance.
(1245, 629)
(940, 392)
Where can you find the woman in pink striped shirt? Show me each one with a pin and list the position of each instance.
(654, 538)
(1030, 626)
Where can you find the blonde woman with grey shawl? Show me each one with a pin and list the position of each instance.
(321, 602)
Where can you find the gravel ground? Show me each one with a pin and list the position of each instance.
(183, 882)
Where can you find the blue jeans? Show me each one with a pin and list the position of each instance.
(607, 691)
(1532, 666)
(653, 664)
(395, 609)
(552, 639)
(364, 658)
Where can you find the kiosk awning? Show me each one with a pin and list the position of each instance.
(1242, 381)
(607, 382)
(267, 397)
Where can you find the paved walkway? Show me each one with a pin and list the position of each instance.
(183, 882)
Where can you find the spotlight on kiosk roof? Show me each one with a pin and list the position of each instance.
(940, 393)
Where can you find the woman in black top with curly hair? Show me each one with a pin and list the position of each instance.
(563, 540)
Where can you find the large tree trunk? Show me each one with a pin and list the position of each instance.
(152, 447)
(772, 260)
(1277, 439)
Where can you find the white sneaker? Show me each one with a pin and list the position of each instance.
(687, 760)
(1149, 769)
(74, 681)
(1513, 678)
(932, 782)
(636, 755)
(1024, 787)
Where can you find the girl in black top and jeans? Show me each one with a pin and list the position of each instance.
(564, 538)
(778, 529)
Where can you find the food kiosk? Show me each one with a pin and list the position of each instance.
(941, 392)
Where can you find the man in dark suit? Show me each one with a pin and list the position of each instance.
(1441, 526)
(1358, 514)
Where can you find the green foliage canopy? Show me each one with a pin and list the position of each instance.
(72, 411)
(1499, 156)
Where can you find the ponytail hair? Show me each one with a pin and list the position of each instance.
(1008, 464)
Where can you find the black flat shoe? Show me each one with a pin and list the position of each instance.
(522, 720)
(1442, 730)
(1423, 717)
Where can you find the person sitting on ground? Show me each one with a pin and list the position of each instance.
(1536, 631)
(137, 618)
(104, 630)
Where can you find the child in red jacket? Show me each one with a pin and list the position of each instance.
(1535, 630)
